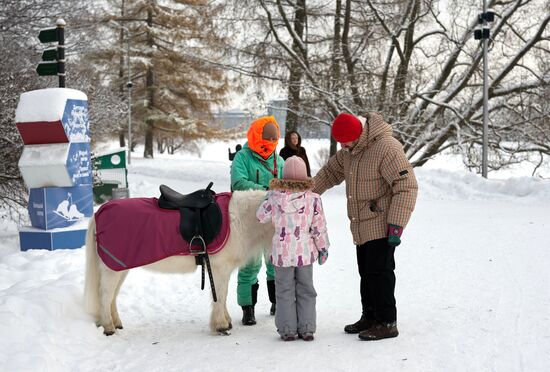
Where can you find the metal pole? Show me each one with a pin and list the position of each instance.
(129, 86)
(61, 52)
(485, 96)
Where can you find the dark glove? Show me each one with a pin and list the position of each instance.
(394, 235)
(323, 256)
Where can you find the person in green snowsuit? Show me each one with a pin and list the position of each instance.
(252, 169)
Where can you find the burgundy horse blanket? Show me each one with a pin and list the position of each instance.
(135, 232)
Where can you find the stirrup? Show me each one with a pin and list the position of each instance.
(197, 251)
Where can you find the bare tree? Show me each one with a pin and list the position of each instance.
(415, 61)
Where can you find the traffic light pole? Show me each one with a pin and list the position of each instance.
(483, 33)
(61, 52)
(129, 86)
(484, 159)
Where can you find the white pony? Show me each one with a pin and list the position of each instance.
(247, 239)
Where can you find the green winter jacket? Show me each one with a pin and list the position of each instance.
(249, 171)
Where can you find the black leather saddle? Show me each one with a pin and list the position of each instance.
(200, 222)
(200, 215)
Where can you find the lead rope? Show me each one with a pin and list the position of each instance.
(272, 171)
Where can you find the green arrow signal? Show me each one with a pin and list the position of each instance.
(48, 35)
(49, 54)
(47, 68)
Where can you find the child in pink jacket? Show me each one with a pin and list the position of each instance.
(300, 239)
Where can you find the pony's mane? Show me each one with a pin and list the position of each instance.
(244, 224)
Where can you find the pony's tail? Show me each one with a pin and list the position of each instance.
(91, 283)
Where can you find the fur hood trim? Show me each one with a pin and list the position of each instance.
(291, 185)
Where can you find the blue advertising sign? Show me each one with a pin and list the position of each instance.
(75, 120)
(78, 163)
(31, 238)
(55, 207)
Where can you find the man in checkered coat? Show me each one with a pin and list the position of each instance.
(381, 192)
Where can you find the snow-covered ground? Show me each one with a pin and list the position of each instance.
(473, 289)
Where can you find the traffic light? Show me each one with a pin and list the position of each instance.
(483, 30)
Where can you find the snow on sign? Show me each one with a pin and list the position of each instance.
(60, 165)
(53, 115)
(54, 207)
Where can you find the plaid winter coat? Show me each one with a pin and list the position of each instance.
(381, 188)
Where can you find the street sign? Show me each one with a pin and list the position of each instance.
(49, 54)
(54, 57)
(47, 68)
(48, 35)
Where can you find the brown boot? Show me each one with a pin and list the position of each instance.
(379, 331)
(308, 336)
(288, 337)
(360, 325)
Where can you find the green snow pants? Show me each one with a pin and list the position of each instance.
(248, 277)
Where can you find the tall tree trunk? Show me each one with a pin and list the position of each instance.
(399, 106)
(296, 72)
(335, 85)
(149, 84)
(350, 64)
(121, 139)
(159, 140)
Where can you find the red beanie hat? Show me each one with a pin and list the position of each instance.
(346, 128)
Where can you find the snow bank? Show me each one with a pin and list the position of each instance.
(461, 185)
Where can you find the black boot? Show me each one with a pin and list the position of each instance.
(271, 293)
(254, 293)
(248, 315)
(248, 310)
(361, 325)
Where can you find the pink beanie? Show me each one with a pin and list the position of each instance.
(294, 168)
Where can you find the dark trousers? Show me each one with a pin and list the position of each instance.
(376, 268)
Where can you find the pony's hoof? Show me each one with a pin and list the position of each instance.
(224, 332)
(108, 333)
(119, 327)
(230, 326)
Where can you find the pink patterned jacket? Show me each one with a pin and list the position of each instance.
(300, 226)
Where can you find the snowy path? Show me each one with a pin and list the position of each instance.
(472, 290)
